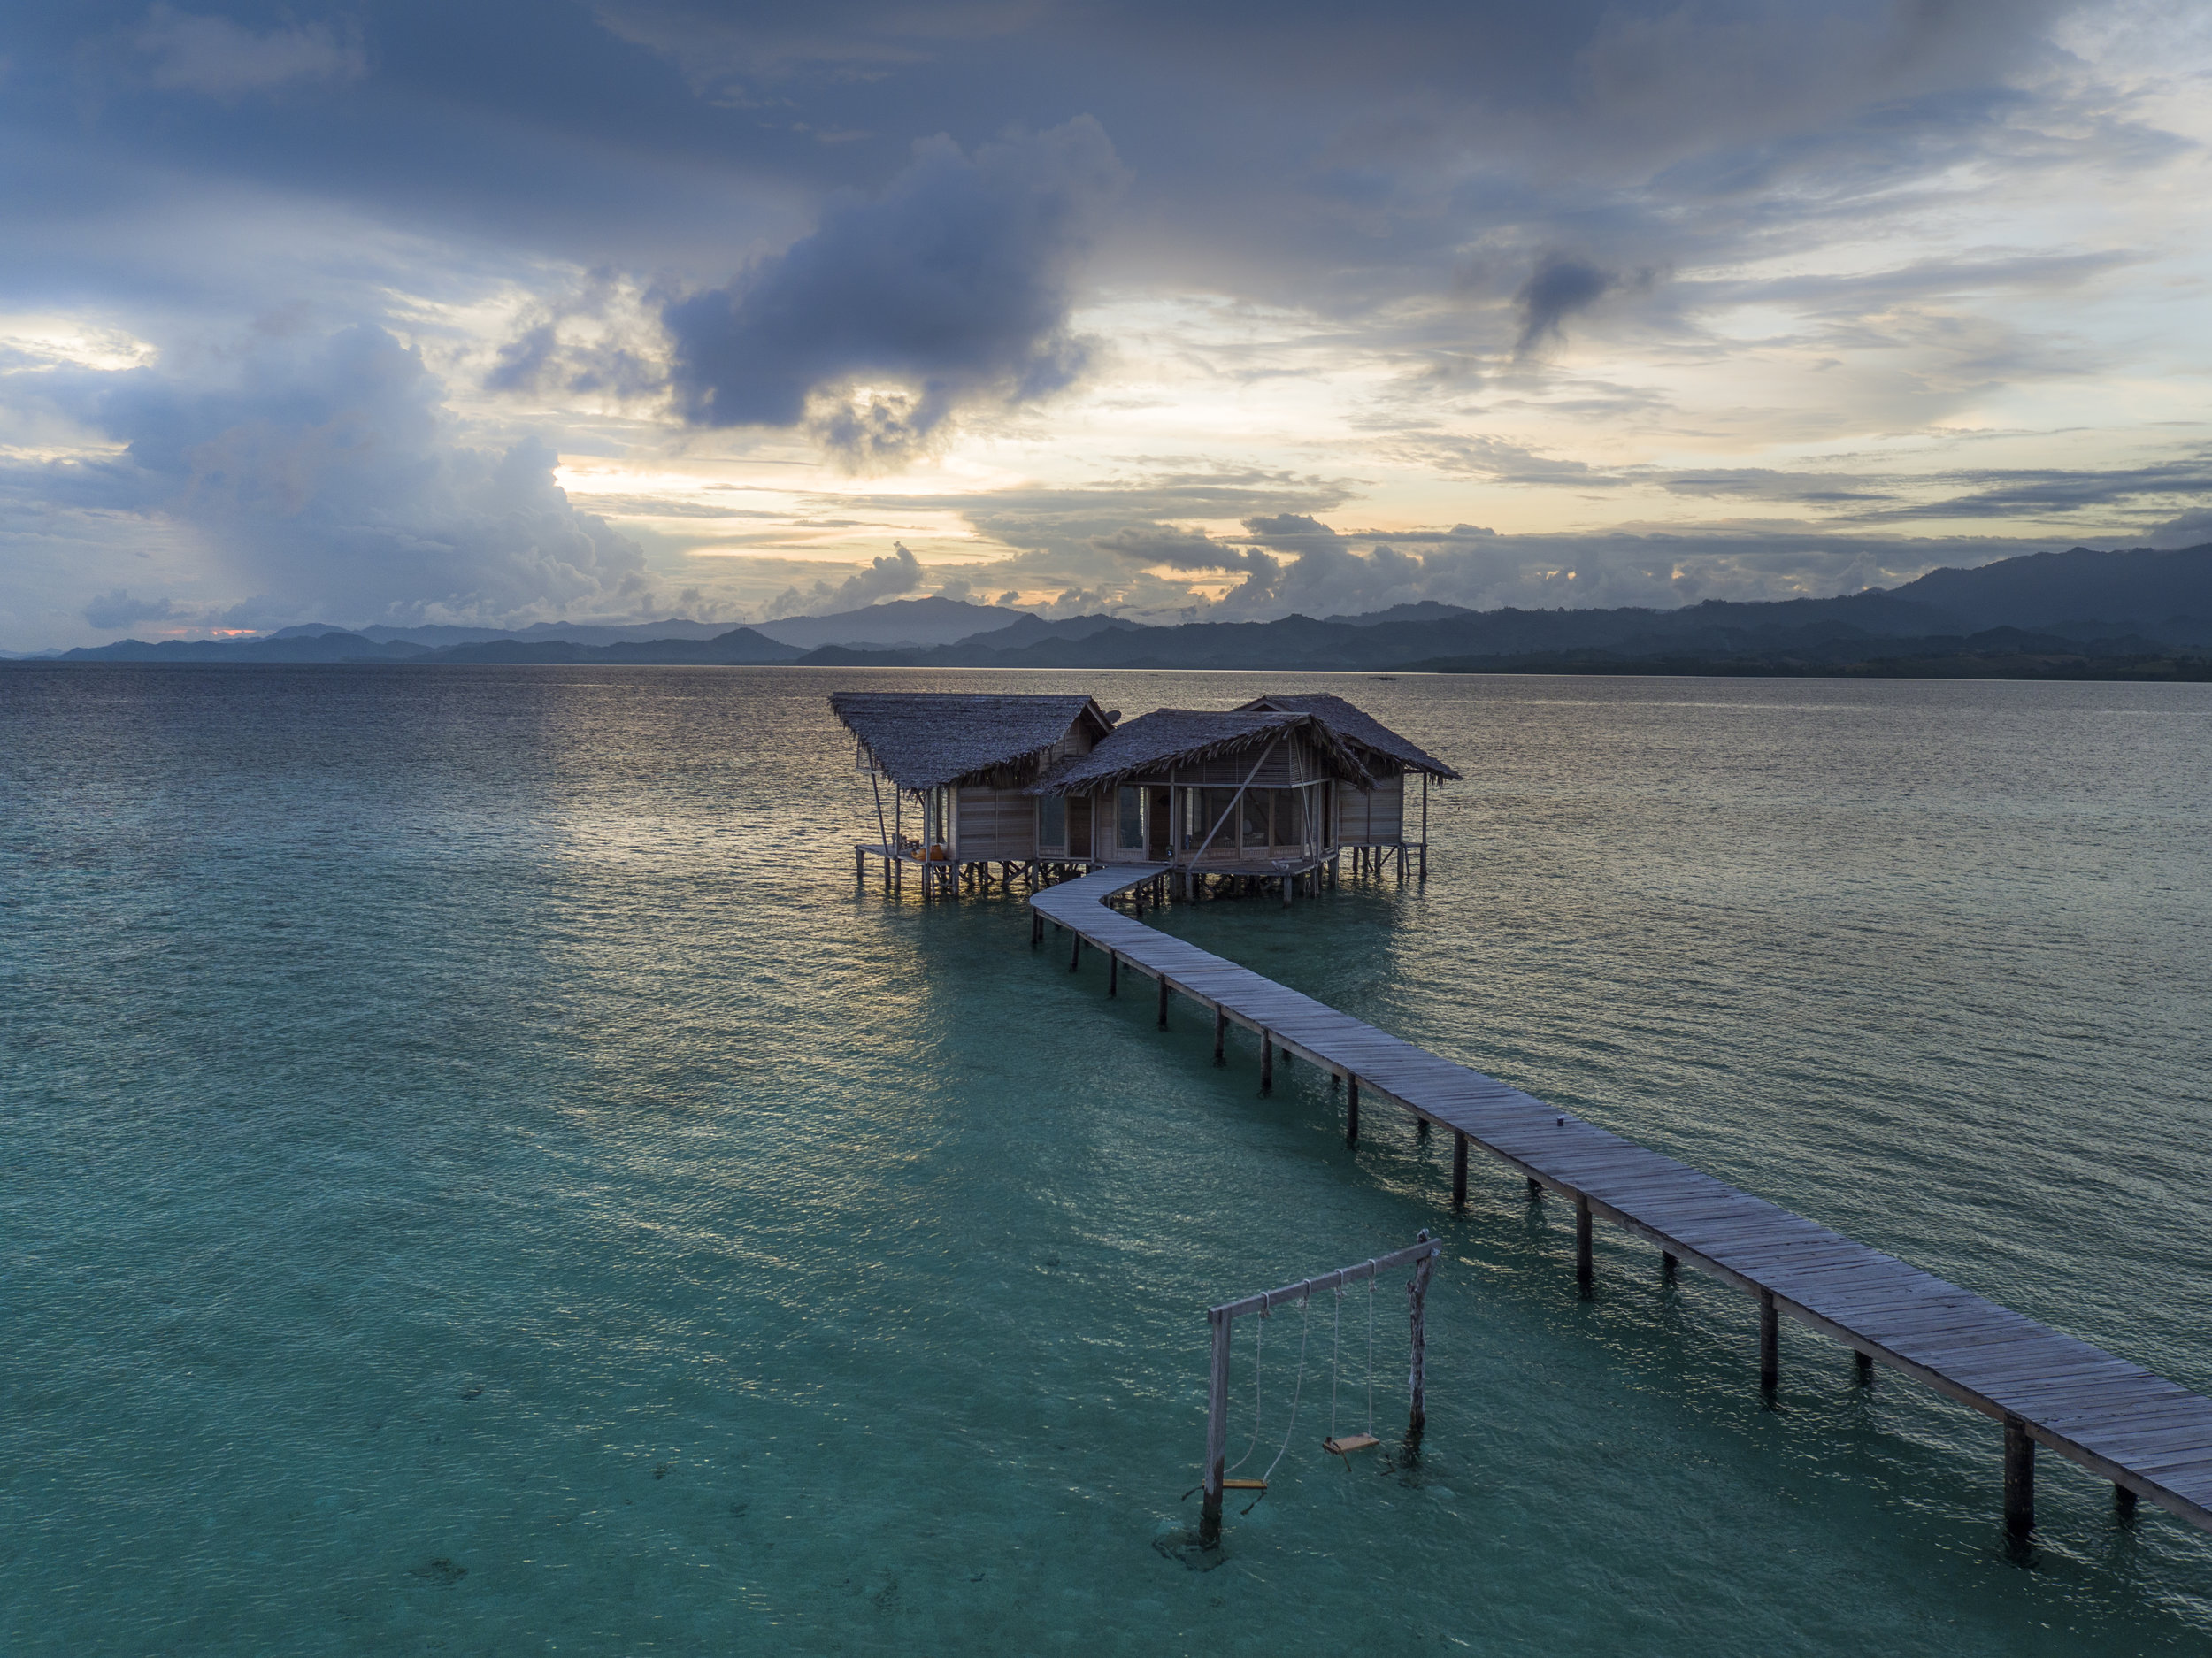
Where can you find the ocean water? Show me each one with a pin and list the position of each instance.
(477, 1175)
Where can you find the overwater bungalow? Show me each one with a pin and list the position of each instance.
(963, 764)
(1244, 792)
(989, 788)
(1373, 823)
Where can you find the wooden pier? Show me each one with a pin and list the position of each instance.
(2150, 1438)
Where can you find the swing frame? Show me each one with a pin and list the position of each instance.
(1422, 1255)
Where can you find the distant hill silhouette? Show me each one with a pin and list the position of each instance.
(2080, 613)
(901, 623)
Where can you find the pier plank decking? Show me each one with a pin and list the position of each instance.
(2149, 1437)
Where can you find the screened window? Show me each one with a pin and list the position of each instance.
(1213, 802)
(1129, 820)
(1255, 820)
(1052, 820)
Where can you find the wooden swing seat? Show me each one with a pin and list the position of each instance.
(1349, 1443)
(1244, 1485)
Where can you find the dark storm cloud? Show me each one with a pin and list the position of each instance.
(1332, 157)
(2044, 491)
(955, 284)
(1555, 290)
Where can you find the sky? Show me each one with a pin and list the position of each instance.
(508, 312)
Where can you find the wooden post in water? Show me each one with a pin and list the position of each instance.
(1351, 1110)
(1535, 1190)
(1668, 1267)
(1216, 1432)
(1267, 1062)
(1075, 954)
(1862, 1368)
(1583, 1273)
(1164, 1002)
(1416, 1299)
(2019, 1478)
(1113, 973)
(1036, 928)
(1424, 826)
(1770, 1343)
(1221, 1034)
(1459, 1170)
(2123, 1503)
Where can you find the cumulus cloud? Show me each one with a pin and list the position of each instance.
(323, 480)
(599, 339)
(224, 59)
(884, 576)
(949, 290)
(119, 609)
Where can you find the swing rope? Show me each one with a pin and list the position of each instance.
(1371, 1352)
(1304, 1325)
(1336, 1343)
(1336, 1346)
(1259, 1347)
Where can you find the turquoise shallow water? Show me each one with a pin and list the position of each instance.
(477, 1177)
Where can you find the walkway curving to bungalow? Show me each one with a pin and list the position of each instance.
(2150, 1437)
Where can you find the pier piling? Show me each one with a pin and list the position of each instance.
(2019, 1478)
(1770, 1343)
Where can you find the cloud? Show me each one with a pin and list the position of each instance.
(224, 59)
(951, 290)
(600, 338)
(1559, 286)
(119, 609)
(322, 478)
(1173, 547)
(2193, 528)
(884, 576)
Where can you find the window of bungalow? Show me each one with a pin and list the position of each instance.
(1052, 820)
(1129, 826)
(1214, 807)
(1255, 820)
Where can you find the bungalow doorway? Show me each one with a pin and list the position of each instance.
(1159, 824)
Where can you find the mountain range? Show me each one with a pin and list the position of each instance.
(2078, 613)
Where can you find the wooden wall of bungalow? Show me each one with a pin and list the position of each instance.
(1291, 809)
(995, 818)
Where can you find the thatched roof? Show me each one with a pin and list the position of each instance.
(1357, 727)
(924, 739)
(1152, 743)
